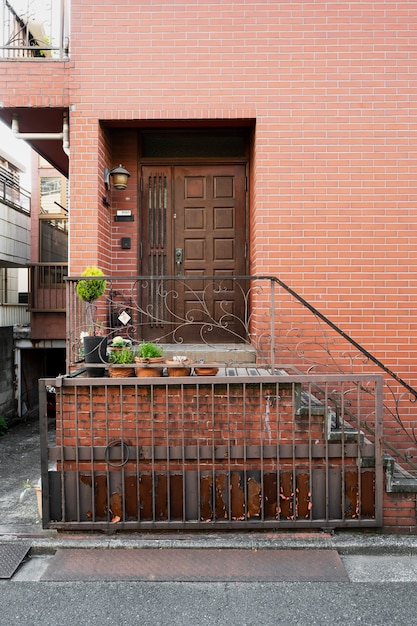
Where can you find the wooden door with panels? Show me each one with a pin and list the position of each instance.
(194, 228)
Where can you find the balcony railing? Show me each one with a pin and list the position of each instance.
(32, 29)
(47, 287)
(14, 196)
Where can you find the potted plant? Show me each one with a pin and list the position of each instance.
(149, 354)
(95, 342)
(118, 343)
(119, 360)
(178, 366)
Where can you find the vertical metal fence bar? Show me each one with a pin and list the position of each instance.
(228, 505)
(124, 449)
(185, 406)
(92, 462)
(359, 453)
(379, 472)
(310, 457)
(137, 455)
(62, 456)
(107, 442)
(246, 439)
(326, 460)
(342, 452)
(170, 443)
(212, 443)
(293, 493)
(198, 455)
(278, 456)
(153, 472)
(77, 467)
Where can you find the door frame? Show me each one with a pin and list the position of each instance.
(171, 162)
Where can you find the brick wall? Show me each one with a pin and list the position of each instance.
(330, 90)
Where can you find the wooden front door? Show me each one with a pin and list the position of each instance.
(194, 228)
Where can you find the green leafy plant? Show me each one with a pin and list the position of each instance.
(149, 351)
(3, 425)
(91, 290)
(88, 291)
(124, 356)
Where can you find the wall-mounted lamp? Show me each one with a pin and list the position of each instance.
(119, 177)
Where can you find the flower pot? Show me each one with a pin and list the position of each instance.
(147, 367)
(206, 369)
(95, 352)
(119, 371)
(178, 368)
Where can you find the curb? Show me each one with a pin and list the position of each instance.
(343, 543)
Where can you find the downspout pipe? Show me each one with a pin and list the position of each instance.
(64, 135)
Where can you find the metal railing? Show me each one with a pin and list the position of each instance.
(14, 196)
(31, 29)
(284, 330)
(221, 452)
(47, 289)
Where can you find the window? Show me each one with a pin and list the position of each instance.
(53, 195)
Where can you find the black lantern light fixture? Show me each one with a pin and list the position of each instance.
(118, 175)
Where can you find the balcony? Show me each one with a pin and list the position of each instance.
(14, 225)
(47, 287)
(40, 31)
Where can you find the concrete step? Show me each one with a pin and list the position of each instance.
(222, 353)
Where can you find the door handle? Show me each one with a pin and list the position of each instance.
(178, 260)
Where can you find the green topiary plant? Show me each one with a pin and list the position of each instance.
(88, 291)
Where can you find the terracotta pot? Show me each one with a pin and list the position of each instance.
(175, 369)
(121, 372)
(147, 366)
(206, 369)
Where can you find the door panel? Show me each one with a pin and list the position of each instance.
(209, 227)
(156, 245)
(193, 225)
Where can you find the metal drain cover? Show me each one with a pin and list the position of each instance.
(195, 565)
(11, 555)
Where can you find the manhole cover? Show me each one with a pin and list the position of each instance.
(11, 555)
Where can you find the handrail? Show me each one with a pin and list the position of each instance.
(348, 338)
(148, 303)
(289, 290)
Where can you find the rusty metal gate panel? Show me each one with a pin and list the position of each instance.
(213, 453)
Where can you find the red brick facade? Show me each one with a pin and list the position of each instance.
(328, 92)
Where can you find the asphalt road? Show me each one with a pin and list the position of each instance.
(201, 604)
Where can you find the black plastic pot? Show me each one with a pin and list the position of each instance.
(95, 352)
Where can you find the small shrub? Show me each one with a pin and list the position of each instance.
(90, 290)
